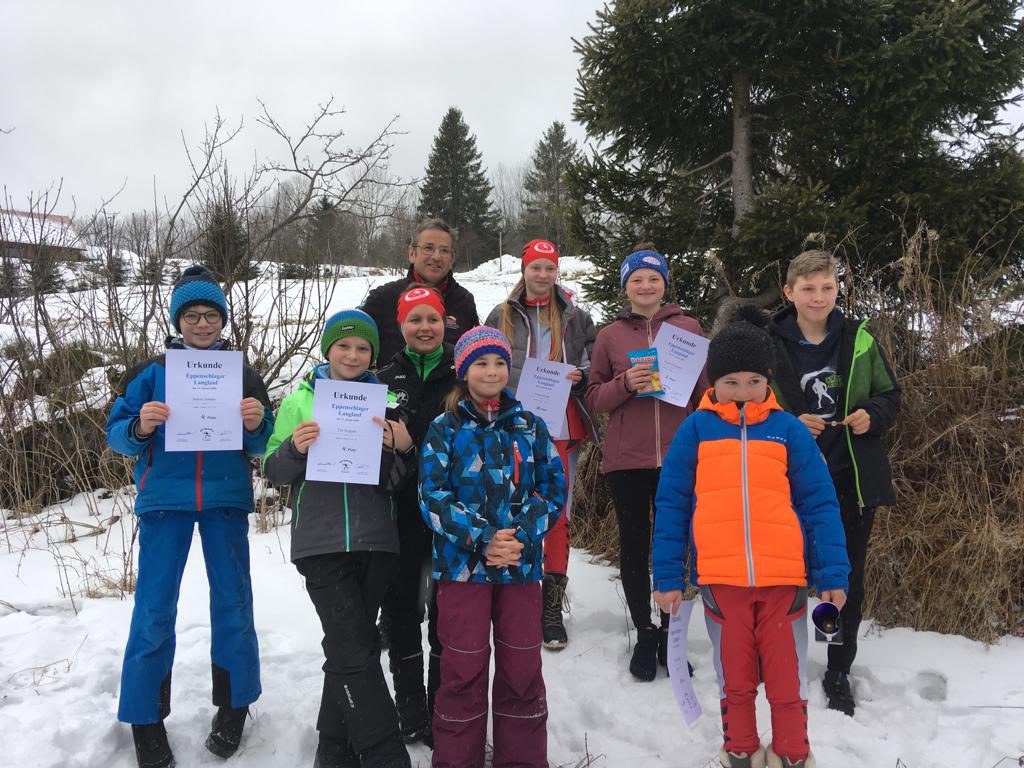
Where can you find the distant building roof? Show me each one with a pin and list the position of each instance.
(38, 229)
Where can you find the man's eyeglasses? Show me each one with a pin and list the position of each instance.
(430, 249)
(192, 318)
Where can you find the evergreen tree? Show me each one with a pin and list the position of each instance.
(225, 243)
(736, 128)
(547, 212)
(456, 189)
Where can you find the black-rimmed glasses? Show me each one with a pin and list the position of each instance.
(192, 318)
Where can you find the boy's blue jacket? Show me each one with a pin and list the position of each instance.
(478, 476)
(749, 497)
(184, 480)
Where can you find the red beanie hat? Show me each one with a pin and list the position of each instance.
(417, 296)
(539, 249)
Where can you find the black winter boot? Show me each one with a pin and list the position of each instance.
(334, 754)
(151, 747)
(644, 664)
(555, 602)
(837, 689)
(389, 753)
(226, 730)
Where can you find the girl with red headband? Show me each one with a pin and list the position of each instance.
(541, 320)
(420, 375)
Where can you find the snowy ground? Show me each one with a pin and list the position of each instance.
(926, 699)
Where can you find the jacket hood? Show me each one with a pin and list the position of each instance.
(783, 324)
(664, 313)
(323, 371)
(755, 412)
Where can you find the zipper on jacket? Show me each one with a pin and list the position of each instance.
(517, 459)
(199, 481)
(348, 538)
(149, 466)
(657, 410)
(745, 489)
(846, 409)
(298, 499)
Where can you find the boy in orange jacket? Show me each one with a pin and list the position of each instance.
(745, 488)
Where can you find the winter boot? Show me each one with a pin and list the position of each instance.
(644, 664)
(742, 759)
(411, 698)
(555, 603)
(388, 753)
(151, 747)
(226, 731)
(774, 761)
(331, 753)
(837, 690)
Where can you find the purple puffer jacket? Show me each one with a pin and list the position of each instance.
(640, 429)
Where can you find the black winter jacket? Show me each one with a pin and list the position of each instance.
(382, 305)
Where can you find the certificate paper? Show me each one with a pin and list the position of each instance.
(348, 449)
(203, 390)
(544, 390)
(681, 357)
(682, 685)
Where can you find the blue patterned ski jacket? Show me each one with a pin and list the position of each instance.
(478, 476)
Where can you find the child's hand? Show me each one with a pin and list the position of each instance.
(814, 423)
(396, 435)
(504, 549)
(252, 414)
(639, 377)
(670, 601)
(575, 375)
(835, 596)
(859, 421)
(151, 415)
(305, 435)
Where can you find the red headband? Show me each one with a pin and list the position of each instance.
(418, 296)
(539, 249)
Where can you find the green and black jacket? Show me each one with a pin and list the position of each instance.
(329, 518)
(868, 383)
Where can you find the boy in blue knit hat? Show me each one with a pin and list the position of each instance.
(176, 491)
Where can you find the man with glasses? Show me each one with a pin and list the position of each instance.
(430, 262)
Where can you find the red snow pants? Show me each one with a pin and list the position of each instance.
(760, 633)
(466, 612)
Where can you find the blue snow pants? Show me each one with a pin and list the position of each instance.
(164, 541)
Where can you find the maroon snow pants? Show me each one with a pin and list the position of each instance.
(466, 612)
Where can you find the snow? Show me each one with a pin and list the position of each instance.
(38, 229)
(927, 699)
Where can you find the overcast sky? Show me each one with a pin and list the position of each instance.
(98, 93)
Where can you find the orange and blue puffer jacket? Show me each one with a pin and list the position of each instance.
(749, 494)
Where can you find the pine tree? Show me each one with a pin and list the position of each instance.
(225, 244)
(735, 128)
(547, 210)
(456, 189)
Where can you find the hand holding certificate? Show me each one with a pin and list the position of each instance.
(682, 685)
(544, 388)
(204, 395)
(348, 446)
(681, 357)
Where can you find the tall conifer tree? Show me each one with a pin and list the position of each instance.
(456, 189)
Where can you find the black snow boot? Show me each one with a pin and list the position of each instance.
(389, 753)
(334, 754)
(555, 603)
(644, 664)
(837, 689)
(151, 747)
(226, 731)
